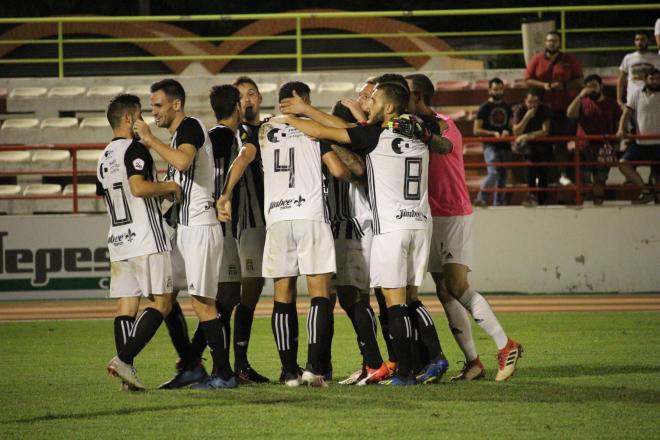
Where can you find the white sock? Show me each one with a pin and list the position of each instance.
(461, 328)
(484, 316)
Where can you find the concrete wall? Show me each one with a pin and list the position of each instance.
(532, 250)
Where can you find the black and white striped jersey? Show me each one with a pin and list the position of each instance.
(136, 224)
(397, 174)
(293, 180)
(197, 206)
(225, 149)
(348, 205)
(251, 186)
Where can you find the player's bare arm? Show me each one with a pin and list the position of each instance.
(246, 155)
(544, 131)
(353, 161)
(180, 158)
(140, 187)
(623, 122)
(337, 167)
(478, 129)
(315, 129)
(298, 106)
(355, 109)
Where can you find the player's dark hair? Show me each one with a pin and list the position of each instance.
(392, 78)
(535, 91)
(245, 80)
(555, 33)
(171, 88)
(650, 71)
(287, 89)
(224, 100)
(343, 112)
(118, 107)
(593, 77)
(494, 81)
(641, 32)
(422, 85)
(395, 94)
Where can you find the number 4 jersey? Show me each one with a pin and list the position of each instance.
(397, 175)
(293, 181)
(136, 224)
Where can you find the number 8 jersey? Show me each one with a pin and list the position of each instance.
(136, 224)
(293, 180)
(397, 175)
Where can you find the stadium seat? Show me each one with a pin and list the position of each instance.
(89, 156)
(267, 88)
(610, 80)
(42, 189)
(20, 124)
(10, 190)
(336, 87)
(51, 156)
(104, 91)
(518, 83)
(139, 90)
(27, 92)
(14, 157)
(84, 189)
(66, 92)
(452, 85)
(457, 115)
(95, 122)
(480, 84)
(59, 123)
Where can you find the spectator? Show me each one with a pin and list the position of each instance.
(657, 34)
(644, 105)
(595, 114)
(495, 118)
(559, 74)
(531, 120)
(633, 66)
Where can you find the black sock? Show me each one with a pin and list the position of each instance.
(364, 326)
(144, 329)
(401, 330)
(123, 328)
(216, 341)
(242, 327)
(284, 323)
(178, 330)
(317, 332)
(428, 334)
(326, 355)
(225, 320)
(384, 324)
(198, 343)
(351, 315)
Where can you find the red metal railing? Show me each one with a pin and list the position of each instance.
(576, 164)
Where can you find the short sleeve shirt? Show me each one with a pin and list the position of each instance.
(598, 117)
(495, 116)
(564, 68)
(634, 65)
(646, 107)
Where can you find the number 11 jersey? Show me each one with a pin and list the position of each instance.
(293, 180)
(136, 224)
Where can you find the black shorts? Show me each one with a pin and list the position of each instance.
(643, 152)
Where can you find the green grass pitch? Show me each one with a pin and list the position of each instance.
(584, 375)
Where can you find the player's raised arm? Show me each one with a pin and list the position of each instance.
(298, 106)
(315, 130)
(180, 158)
(246, 155)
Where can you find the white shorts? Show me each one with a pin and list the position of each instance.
(230, 265)
(353, 258)
(298, 247)
(251, 251)
(141, 276)
(200, 250)
(451, 242)
(398, 258)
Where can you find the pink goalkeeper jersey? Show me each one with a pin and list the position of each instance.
(448, 193)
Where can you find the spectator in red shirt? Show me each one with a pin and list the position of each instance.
(595, 114)
(560, 75)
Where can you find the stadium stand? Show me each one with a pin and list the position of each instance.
(66, 92)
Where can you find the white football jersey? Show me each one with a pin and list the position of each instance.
(397, 174)
(349, 209)
(197, 206)
(136, 224)
(293, 180)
